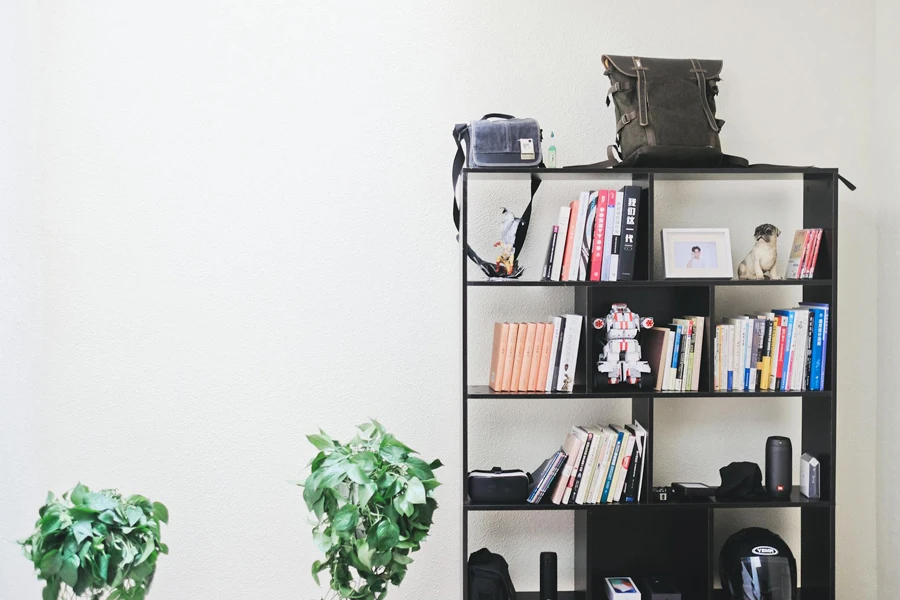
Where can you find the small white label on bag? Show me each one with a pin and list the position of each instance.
(526, 146)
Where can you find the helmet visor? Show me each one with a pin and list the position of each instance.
(766, 578)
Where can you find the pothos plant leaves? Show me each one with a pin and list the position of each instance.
(373, 503)
(97, 543)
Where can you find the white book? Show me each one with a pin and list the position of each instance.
(699, 325)
(737, 361)
(606, 468)
(729, 357)
(582, 436)
(801, 325)
(776, 338)
(590, 466)
(596, 484)
(617, 229)
(587, 237)
(561, 236)
(749, 364)
(554, 350)
(568, 360)
(667, 366)
(643, 441)
(579, 231)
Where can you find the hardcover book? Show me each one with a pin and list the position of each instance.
(561, 238)
(599, 231)
(570, 242)
(568, 363)
(509, 357)
(630, 219)
(498, 357)
(587, 238)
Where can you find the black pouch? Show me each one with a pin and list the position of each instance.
(489, 577)
(498, 486)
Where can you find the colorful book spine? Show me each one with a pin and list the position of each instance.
(811, 271)
(580, 218)
(604, 498)
(607, 237)
(544, 364)
(576, 486)
(561, 239)
(567, 258)
(599, 231)
(587, 237)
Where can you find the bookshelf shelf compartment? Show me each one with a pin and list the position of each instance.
(675, 538)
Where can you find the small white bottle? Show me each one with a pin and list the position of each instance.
(551, 152)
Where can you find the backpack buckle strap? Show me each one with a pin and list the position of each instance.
(625, 120)
(619, 86)
(699, 71)
(643, 103)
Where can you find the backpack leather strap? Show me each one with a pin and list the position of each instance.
(643, 102)
(699, 71)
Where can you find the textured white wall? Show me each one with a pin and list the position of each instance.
(887, 145)
(226, 223)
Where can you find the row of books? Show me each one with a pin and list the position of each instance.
(675, 354)
(536, 357)
(597, 464)
(804, 254)
(782, 350)
(595, 238)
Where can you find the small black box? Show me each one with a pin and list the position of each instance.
(659, 588)
(662, 494)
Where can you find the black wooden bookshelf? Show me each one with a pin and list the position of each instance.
(674, 539)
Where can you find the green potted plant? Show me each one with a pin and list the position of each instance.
(96, 545)
(372, 505)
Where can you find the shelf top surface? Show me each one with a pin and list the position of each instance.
(768, 172)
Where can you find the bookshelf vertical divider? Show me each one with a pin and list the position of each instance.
(675, 539)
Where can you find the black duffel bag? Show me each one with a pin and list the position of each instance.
(666, 112)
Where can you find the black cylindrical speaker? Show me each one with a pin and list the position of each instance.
(548, 575)
(778, 466)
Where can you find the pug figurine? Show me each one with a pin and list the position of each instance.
(762, 260)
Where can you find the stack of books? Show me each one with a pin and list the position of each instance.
(536, 357)
(675, 354)
(782, 350)
(595, 238)
(598, 464)
(804, 254)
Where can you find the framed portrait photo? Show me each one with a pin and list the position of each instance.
(697, 253)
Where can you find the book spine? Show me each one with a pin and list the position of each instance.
(551, 253)
(788, 354)
(615, 248)
(766, 355)
(628, 493)
(580, 473)
(692, 348)
(593, 479)
(666, 364)
(676, 357)
(572, 469)
(747, 349)
(525, 371)
(599, 231)
(587, 237)
(815, 255)
(816, 368)
(624, 464)
(716, 363)
(808, 365)
(604, 498)
(729, 356)
(553, 367)
(782, 340)
(580, 217)
(569, 359)
(807, 253)
(793, 264)
(536, 356)
(607, 236)
(570, 242)
(519, 355)
(498, 356)
(544, 364)
(561, 238)
(824, 349)
(629, 233)
(509, 357)
(798, 366)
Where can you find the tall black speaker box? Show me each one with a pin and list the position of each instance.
(778, 466)
(548, 576)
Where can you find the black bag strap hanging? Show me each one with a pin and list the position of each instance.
(459, 136)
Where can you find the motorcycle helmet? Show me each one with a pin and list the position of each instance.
(756, 564)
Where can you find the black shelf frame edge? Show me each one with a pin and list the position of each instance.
(655, 283)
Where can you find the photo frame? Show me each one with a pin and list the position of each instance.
(697, 254)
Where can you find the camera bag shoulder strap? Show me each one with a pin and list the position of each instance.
(460, 135)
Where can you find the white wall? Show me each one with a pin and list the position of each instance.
(887, 155)
(225, 224)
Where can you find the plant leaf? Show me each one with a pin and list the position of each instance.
(82, 530)
(387, 534)
(79, 494)
(99, 502)
(346, 518)
(51, 590)
(401, 559)
(415, 491)
(356, 474)
(161, 512)
(50, 564)
(321, 441)
(68, 572)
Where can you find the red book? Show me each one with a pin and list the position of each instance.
(811, 268)
(570, 241)
(782, 336)
(599, 231)
(807, 254)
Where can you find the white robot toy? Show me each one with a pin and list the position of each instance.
(621, 358)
